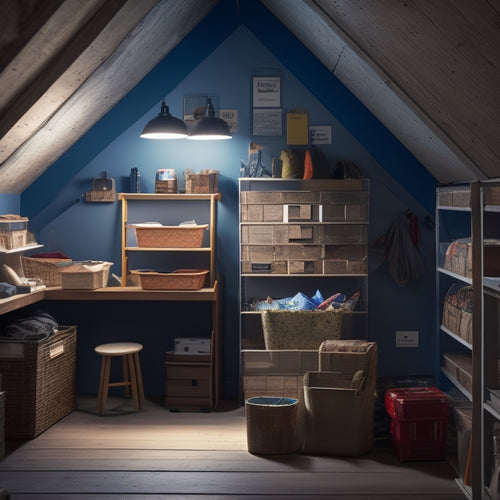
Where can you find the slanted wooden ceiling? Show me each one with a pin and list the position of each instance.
(428, 69)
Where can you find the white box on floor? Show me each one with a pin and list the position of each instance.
(199, 345)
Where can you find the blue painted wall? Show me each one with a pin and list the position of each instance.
(10, 204)
(231, 52)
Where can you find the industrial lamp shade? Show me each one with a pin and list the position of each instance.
(210, 127)
(165, 126)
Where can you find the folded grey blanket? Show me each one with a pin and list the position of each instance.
(39, 326)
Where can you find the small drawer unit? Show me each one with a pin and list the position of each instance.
(189, 381)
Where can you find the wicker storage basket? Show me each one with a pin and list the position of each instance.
(181, 279)
(88, 275)
(169, 236)
(44, 269)
(39, 380)
(300, 329)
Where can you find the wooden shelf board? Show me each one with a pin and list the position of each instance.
(456, 383)
(132, 293)
(21, 249)
(454, 275)
(17, 301)
(168, 196)
(302, 275)
(162, 249)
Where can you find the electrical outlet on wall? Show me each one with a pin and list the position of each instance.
(407, 338)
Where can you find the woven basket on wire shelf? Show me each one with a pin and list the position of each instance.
(156, 236)
(44, 269)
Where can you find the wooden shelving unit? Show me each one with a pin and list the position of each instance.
(171, 210)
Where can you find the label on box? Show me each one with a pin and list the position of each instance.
(192, 345)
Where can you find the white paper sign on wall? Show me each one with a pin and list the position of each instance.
(320, 134)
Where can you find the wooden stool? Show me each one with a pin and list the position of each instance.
(132, 377)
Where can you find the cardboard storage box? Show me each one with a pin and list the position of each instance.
(207, 181)
(200, 345)
(276, 373)
(346, 266)
(285, 386)
(276, 267)
(419, 419)
(461, 197)
(39, 380)
(459, 365)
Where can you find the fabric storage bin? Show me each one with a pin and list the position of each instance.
(39, 380)
(457, 311)
(348, 356)
(458, 258)
(419, 418)
(300, 329)
(339, 399)
(338, 414)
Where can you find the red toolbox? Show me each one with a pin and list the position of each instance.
(419, 417)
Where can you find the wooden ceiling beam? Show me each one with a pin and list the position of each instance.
(74, 62)
(444, 57)
(19, 23)
(58, 60)
(147, 43)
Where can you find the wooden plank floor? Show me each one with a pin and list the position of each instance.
(158, 454)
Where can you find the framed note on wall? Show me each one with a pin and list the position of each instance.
(266, 92)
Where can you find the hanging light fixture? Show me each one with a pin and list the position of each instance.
(165, 126)
(210, 128)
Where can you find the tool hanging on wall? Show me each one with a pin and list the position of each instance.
(103, 190)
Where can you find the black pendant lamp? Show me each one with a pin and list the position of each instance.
(165, 126)
(210, 128)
